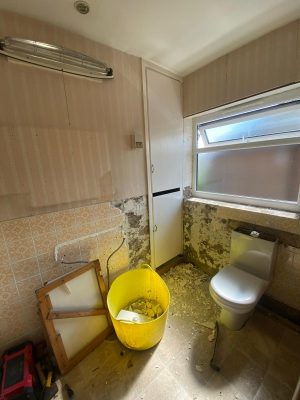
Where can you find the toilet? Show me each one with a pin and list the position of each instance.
(238, 286)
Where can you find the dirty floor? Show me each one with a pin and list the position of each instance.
(260, 362)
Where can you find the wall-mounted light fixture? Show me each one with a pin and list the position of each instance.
(54, 57)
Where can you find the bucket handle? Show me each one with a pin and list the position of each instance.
(145, 266)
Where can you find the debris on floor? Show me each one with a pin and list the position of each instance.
(208, 324)
(190, 295)
(199, 368)
(212, 336)
(149, 308)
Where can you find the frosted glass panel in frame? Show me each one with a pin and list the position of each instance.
(79, 294)
(264, 172)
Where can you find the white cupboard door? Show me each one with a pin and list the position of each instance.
(167, 218)
(166, 130)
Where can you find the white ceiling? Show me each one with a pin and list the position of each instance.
(179, 35)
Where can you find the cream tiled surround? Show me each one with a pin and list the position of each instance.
(27, 259)
(285, 284)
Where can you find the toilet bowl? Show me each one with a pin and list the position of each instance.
(238, 287)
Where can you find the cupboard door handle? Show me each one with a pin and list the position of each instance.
(155, 228)
(152, 168)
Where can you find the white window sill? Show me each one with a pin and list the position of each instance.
(277, 219)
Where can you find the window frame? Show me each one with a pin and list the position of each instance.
(238, 110)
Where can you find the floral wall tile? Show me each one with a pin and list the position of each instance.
(21, 249)
(16, 229)
(42, 224)
(25, 268)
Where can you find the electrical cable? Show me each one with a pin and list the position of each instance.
(74, 262)
(107, 267)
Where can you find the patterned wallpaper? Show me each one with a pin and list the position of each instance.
(66, 140)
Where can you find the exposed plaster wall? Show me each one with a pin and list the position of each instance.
(136, 229)
(207, 235)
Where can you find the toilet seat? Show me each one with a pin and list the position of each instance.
(235, 288)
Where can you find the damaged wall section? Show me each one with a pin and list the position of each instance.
(136, 229)
(207, 235)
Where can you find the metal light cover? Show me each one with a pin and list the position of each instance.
(54, 57)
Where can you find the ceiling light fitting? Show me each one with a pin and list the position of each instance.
(54, 57)
(82, 6)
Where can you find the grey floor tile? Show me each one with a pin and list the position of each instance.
(219, 388)
(291, 341)
(164, 387)
(242, 373)
(285, 367)
(273, 389)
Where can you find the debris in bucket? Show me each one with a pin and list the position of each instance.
(130, 316)
(149, 308)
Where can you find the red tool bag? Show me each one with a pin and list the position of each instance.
(18, 374)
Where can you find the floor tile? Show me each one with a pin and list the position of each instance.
(164, 387)
(242, 373)
(273, 389)
(285, 367)
(218, 388)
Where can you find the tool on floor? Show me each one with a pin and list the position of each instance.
(19, 379)
(69, 391)
(212, 363)
(50, 388)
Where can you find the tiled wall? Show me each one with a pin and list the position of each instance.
(207, 235)
(27, 255)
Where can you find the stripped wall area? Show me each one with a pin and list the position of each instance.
(207, 234)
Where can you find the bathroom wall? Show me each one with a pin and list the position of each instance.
(27, 255)
(207, 234)
(266, 63)
(67, 172)
(66, 140)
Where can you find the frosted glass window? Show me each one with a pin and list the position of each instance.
(263, 172)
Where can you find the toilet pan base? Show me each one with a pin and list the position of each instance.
(233, 320)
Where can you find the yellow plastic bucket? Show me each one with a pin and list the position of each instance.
(130, 286)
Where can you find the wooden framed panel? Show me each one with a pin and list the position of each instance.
(75, 314)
